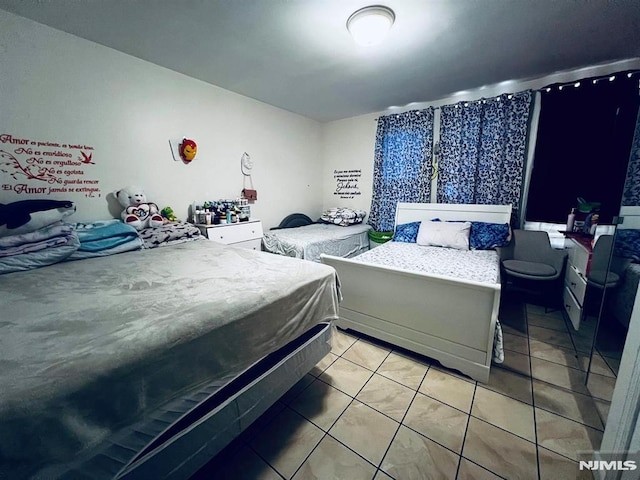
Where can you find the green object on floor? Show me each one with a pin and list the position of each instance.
(380, 237)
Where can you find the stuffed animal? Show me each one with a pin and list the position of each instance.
(137, 211)
(27, 216)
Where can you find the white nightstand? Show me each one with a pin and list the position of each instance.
(575, 279)
(241, 234)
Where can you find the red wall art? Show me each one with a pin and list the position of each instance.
(34, 167)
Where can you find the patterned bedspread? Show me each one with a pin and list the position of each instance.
(310, 241)
(477, 265)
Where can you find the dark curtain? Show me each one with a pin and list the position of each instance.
(402, 164)
(582, 147)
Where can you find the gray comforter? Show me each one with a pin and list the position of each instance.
(89, 347)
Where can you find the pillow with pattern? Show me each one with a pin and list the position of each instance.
(343, 216)
(407, 232)
(485, 236)
(627, 244)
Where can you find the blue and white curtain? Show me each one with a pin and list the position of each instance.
(483, 146)
(631, 193)
(402, 164)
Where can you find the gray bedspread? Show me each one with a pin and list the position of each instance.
(89, 347)
(310, 241)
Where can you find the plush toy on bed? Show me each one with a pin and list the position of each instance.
(137, 211)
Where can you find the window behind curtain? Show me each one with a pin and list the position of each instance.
(582, 147)
(402, 164)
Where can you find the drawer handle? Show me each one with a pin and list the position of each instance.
(573, 284)
(568, 307)
(221, 237)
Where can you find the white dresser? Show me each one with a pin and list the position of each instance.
(241, 234)
(575, 280)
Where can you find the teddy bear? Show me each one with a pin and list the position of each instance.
(137, 211)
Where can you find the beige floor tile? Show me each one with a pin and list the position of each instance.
(613, 364)
(510, 384)
(294, 391)
(321, 403)
(340, 341)
(603, 409)
(243, 464)
(601, 387)
(559, 375)
(565, 436)
(554, 353)
(287, 441)
(262, 421)
(437, 421)
(552, 322)
(382, 476)
(404, 370)
(573, 405)
(366, 354)
(582, 344)
(512, 330)
(504, 412)
(365, 431)
(599, 366)
(412, 456)
(453, 373)
(346, 376)
(332, 460)
(516, 362)
(541, 334)
(448, 389)
(515, 343)
(470, 471)
(501, 452)
(555, 467)
(386, 396)
(323, 364)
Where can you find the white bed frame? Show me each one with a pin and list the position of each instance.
(450, 320)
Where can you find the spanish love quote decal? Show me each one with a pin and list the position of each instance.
(347, 183)
(39, 167)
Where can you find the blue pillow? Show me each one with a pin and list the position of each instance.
(485, 236)
(407, 232)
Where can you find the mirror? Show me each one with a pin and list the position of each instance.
(613, 291)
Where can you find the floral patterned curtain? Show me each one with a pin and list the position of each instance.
(483, 147)
(631, 193)
(402, 164)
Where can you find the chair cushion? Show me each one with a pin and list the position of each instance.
(596, 278)
(523, 268)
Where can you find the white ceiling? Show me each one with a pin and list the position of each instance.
(297, 54)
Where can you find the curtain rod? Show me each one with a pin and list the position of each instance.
(576, 83)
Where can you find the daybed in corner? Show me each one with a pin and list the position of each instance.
(444, 307)
(300, 237)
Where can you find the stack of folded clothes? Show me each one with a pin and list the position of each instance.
(45, 246)
(101, 238)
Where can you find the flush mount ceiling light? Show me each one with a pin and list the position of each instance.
(369, 25)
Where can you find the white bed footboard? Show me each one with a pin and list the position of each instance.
(452, 321)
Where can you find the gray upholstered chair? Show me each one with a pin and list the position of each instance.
(530, 262)
(604, 274)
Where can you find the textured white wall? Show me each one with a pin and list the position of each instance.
(58, 88)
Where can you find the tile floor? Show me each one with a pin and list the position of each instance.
(370, 411)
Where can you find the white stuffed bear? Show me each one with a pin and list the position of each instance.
(137, 211)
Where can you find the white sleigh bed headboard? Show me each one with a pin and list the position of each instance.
(418, 212)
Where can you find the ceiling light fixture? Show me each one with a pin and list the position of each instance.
(370, 25)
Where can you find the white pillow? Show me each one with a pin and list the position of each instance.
(444, 234)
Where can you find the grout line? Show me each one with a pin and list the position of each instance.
(466, 429)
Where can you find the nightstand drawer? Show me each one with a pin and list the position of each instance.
(235, 232)
(573, 309)
(576, 283)
(250, 244)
